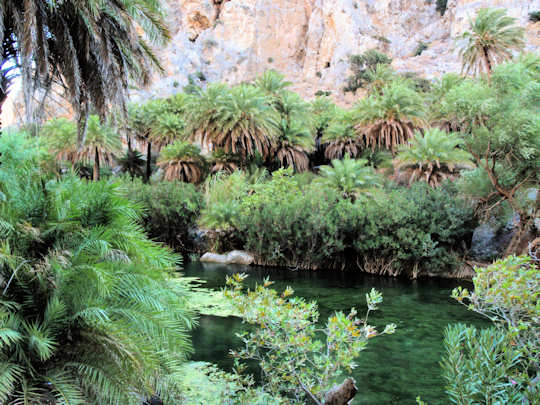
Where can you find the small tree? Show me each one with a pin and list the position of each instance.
(287, 343)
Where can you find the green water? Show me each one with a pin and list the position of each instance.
(394, 369)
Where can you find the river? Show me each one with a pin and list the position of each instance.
(394, 369)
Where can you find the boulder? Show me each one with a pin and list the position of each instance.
(490, 240)
(233, 257)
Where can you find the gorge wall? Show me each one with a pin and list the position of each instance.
(310, 40)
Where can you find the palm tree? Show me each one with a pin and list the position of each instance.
(101, 145)
(94, 48)
(224, 162)
(183, 161)
(492, 37)
(350, 177)
(271, 82)
(378, 77)
(340, 138)
(132, 162)
(389, 119)
(142, 118)
(89, 313)
(167, 128)
(239, 120)
(294, 144)
(438, 116)
(61, 136)
(322, 111)
(433, 157)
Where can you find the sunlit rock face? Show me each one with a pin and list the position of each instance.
(310, 40)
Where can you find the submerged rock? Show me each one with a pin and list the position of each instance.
(233, 257)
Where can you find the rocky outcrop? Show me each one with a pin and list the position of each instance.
(310, 40)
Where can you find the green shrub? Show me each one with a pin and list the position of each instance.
(403, 230)
(534, 16)
(421, 47)
(89, 311)
(417, 229)
(498, 365)
(482, 367)
(170, 210)
(361, 66)
(299, 359)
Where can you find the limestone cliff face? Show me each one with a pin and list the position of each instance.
(310, 40)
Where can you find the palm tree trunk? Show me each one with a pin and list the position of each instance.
(148, 161)
(487, 60)
(96, 166)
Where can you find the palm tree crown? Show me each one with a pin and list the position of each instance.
(389, 118)
(433, 156)
(183, 161)
(294, 144)
(100, 146)
(239, 120)
(492, 37)
(350, 176)
(91, 315)
(340, 138)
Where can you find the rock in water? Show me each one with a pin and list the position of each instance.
(233, 257)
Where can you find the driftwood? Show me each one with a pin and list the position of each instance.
(341, 394)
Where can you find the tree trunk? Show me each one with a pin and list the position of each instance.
(148, 161)
(341, 394)
(96, 166)
(489, 65)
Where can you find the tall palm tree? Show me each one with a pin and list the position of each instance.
(492, 37)
(438, 117)
(183, 161)
(100, 146)
(433, 157)
(322, 111)
(295, 142)
(239, 120)
(389, 118)
(142, 118)
(340, 138)
(92, 48)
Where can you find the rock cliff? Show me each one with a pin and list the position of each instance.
(310, 40)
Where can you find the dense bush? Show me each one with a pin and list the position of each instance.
(170, 210)
(89, 311)
(499, 365)
(411, 230)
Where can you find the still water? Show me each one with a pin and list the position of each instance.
(394, 369)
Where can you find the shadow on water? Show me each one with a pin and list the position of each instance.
(393, 369)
